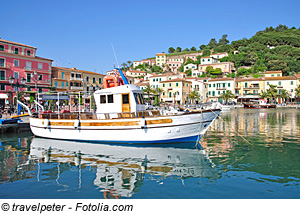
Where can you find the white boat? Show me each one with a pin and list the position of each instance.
(121, 117)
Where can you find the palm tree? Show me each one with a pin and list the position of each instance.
(284, 95)
(124, 65)
(263, 95)
(272, 92)
(194, 95)
(148, 90)
(297, 90)
(159, 91)
(129, 63)
(227, 95)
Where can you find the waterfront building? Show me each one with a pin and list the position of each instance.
(192, 56)
(218, 86)
(288, 83)
(175, 90)
(20, 61)
(74, 80)
(160, 59)
(247, 89)
(200, 85)
(142, 85)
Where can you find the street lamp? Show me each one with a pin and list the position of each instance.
(17, 85)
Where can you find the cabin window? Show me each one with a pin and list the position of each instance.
(110, 98)
(125, 98)
(102, 99)
(139, 98)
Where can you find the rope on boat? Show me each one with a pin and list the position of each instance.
(233, 129)
(198, 138)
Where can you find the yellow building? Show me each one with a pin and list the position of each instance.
(161, 59)
(249, 88)
(92, 81)
(175, 90)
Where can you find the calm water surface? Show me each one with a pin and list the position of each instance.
(263, 164)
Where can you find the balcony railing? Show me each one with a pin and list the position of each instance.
(252, 87)
(32, 69)
(221, 88)
(5, 66)
(76, 88)
(76, 79)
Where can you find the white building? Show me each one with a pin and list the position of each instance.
(218, 86)
(209, 60)
(190, 66)
(219, 55)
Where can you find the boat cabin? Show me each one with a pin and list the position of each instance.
(112, 101)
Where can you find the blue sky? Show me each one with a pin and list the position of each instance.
(80, 33)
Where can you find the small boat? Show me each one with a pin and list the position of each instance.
(259, 104)
(121, 117)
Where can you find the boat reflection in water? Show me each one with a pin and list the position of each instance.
(120, 170)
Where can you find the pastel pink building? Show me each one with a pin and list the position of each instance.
(20, 61)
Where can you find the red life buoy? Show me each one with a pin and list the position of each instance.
(112, 81)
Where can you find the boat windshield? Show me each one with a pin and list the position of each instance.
(139, 98)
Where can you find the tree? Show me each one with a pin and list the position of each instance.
(159, 91)
(124, 65)
(156, 69)
(202, 47)
(264, 95)
(272, 92)
(193, 49)
(223, 40)
(178, 49)
(129, 63)
(148, 89)
(285, 95)
(227, 95)
(297, 94)
(171, 50)
(212, 43)
(206, 52)
(193, 95)
(186, 50)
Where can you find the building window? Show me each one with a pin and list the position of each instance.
(62, 75)
(292, 82)
(2, 62)
(40, 90)
(100, 80)
(2, 75)
(170, 94)
(268, 83)
(87, 78)
(224, 85)
(94, 80)
(16, 63)
(176, 84)
(40, 77)
(28, 65)
(213, 93)
(40, 66)
(278, 74)
(272, 75)
(2, 87)
(279, 83)
(63, 84)
(214, 85)
(16, 51)
(28, 77)
(170, 84)
(1, 47)
(55, 83)
(16, 75)
(28, 52)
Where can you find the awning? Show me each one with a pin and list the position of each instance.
(3, 96)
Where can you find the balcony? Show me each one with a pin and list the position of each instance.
(76, 88)
(32, 69)
(251, 87)
(5, 66)
(76, 79)
(221, 88)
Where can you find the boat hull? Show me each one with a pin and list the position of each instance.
(256, 106)
(163, 129)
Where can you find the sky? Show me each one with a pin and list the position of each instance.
(80, 34)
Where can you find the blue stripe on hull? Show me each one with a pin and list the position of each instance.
(185, 142)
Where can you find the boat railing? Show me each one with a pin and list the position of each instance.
(90, 115)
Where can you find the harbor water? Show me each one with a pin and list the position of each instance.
(249, 154)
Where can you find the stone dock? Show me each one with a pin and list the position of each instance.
(16, 127)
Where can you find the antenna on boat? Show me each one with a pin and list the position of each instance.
(115, 55)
